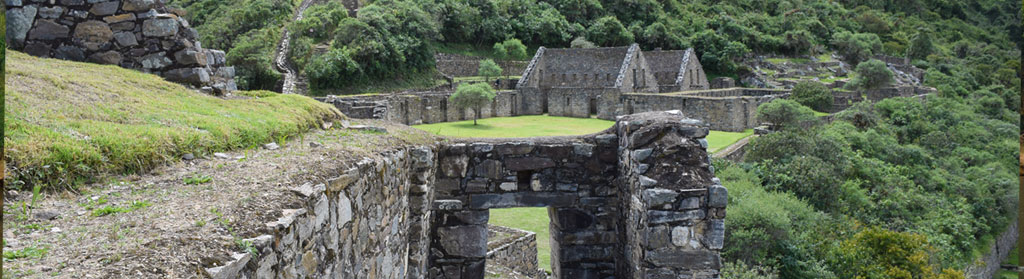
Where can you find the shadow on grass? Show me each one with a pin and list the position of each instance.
(470, 126)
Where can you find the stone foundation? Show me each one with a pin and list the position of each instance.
(135, 34)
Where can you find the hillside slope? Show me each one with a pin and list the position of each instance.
(67, 123)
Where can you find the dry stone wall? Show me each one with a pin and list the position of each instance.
(517, 253)
(136, 34)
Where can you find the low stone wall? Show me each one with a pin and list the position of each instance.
(466, 66)
(518, 253)
(844, 99)
(135, 34)
(719, 113)
(997, 253)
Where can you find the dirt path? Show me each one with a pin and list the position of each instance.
(294, 83)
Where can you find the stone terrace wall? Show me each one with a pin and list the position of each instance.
(136, 34)
(456, 65)
(518, 253)
(843, 99)
(720, 113)
(368, 222)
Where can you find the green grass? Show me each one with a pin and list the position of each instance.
(534, 219)
(518, 126)
(719, 139)
(68, 123)
(1011, 260)
(108, 210)
(791, 60)
(820, 114)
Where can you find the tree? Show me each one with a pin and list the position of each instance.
(920, 46)
(580, 42)
(785, 114)
(872, 74)
(489, 69)
(812, 94)
(511, 49)
(856, 47)
(609, 32)
(473, 96)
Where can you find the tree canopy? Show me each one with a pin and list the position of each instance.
(473, 96)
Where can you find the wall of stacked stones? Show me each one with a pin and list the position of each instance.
(997, 253)
(571, 176)
(518, 253)
(136, 34)
(581, 102)
(844, 99)
(367, 222)
(719, 113)
(464, 66)
(674, 207)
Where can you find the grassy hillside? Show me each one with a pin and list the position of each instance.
(68, 123)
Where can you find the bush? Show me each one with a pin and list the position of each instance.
(856, 47)
(871, 74)
(814, 95)
(609, 32)
(489, 69)
(580, 42)
(786, 114)
(881, 253)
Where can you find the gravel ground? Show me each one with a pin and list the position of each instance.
(157, 226)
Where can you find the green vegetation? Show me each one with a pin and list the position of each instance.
(198, 179)
(27, 252)
(719, 139)
(870, 75)
(488, 69)
(68, 123)
(473, 96)
(856, 47)
(108, 210)
(518, 126)
(813, 95)
(786, 114)
(511, 49)
(533, 219)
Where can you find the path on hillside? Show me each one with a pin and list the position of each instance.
(294, 83)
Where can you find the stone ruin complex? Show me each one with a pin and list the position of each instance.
(638, 200)
(136, 34)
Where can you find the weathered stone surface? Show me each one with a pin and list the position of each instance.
(159, 27)
(508, 186)
(48, 30)
(476, 186)
(93, 33)
(692, 259)
(107, 57)
(528, 163)
(642, 154)
(529, 199)
(231, 269)
(188, 75)
(344, 210)
(659, 217)
(464, 241)
(718, 196)
(454, 166)
(38, 49)
(119, 18)
(105, 8)
(155, 61)
(689, 203)
(658, 197)
(490, 169)
(138, 5)
(19, 21)
(715, 236)
(190, 57)
(473, 217)
(67, 52)
(50, 12)
(448, 204)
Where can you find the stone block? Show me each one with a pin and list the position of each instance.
(48, 30)
(50, 12)
(67, 52)
(105, 8)
(454, 166)
(689, 203)
(568, 219)
(125, 39)
(514, 148)
(108, 57)
(39, 49)
(119, 18)
(159, 27)
(715, 237)
(139, 5)
(19, 21)
(658, 197)
(190, 57)
(464, 241)
(689, 259)
(193, 76)
(448, 204)
(490, 169)
(528, 163)
(476, 186)
(472, 217)
(660, 217)
(155, 61)
(718, 196)
(93, 33)
(578, 253)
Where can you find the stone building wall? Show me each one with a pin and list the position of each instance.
(720, 113)
(135, 34)
(518, 253)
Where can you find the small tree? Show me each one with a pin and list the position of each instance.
(609, 32)
(813, 94)
(473, 96)
(511, 49)
(920, 46)
(489, 69)
(786, 114)
(580, 42)
(872, 74)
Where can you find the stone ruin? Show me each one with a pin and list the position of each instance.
(639, 200)
(136, 34)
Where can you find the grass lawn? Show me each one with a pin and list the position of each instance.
(718, 139)
(68, 123)
(534, 219)
(518, 127)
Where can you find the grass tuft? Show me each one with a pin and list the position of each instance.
(68, 123)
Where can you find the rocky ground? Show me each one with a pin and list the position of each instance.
(180, 219)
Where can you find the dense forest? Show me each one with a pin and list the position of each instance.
(904, 188)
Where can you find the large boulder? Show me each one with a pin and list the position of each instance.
(160, 27)
(195, 76)
(108, 57)
(155, 61)
(19, 21)
(190, 57)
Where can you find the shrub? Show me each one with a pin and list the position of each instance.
(489, 69)
(856, 47)
(871, 74)
(473, 96)
(580, 42)
(786, 114)
(813, 94)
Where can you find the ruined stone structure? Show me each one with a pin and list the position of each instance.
(677, 70)
(516, 253)
(456, 65)
(136, 34)
(637, 201)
